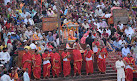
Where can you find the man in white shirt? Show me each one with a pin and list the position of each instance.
(85, 24)
(120, 25)
(125, 51)
(99, 12)
(32, 45)
(120, 69)
(108, 31)
(5, 77)
(28, 33)
(5, 58)
(122, 42)
(129, 32)
(116, 2)
(26, 76)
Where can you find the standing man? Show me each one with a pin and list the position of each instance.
(89, 55)
(55, 61)
(36, 59)
(89, 40)
(120, 69)
(130, 63)
(5, 58)
(46, 64)
(77, 60)
(66, 62)
(26, 61)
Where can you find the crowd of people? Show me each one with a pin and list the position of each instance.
(19, 28)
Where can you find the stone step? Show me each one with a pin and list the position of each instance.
(78, 78)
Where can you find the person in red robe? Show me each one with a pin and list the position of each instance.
(77, 57)
(27, 61)
(101, 62)
(130, 63)
(89, 56)
(36, 59)
(66, 62)
(55, 62)
(46, 64)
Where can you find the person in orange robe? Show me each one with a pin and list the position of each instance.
(27, 61)
(130, 63)
(89, 56)
(77, 57)
(55, 62)
(36, 59)
(101, 62)
(46, 64)
(66, 62)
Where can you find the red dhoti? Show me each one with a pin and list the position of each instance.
(77, 67)
(89, 66)
(55, 71)
(101, 65)
(27, 65)
(129, 74)
(37, 72)
(46, 70)
(66, 68)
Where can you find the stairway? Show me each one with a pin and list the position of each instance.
(109, 76)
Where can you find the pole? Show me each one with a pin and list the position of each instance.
(58, 17)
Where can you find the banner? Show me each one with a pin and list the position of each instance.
(49, 23)
(120, 15)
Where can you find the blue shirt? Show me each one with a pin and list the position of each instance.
(50, 38)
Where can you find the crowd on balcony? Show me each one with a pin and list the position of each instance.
(18, 28)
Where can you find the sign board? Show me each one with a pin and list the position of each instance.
(49, 23)
(120, 15)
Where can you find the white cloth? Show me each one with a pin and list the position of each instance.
(88, 59)
(4, 56)
(120, 70)
(5, 77)
(33, 46)
(125, 51)
(128, 66)
(65, 59)
(45, 62)
(26, 76)
(101, 56)
(95, 49)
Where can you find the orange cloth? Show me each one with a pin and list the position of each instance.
(129, 72)
(15, 76)
(56, 69)
(66, 64)
(37, 65)
(77, 61)
(46, 67)
(27, 57)
(89, 64)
